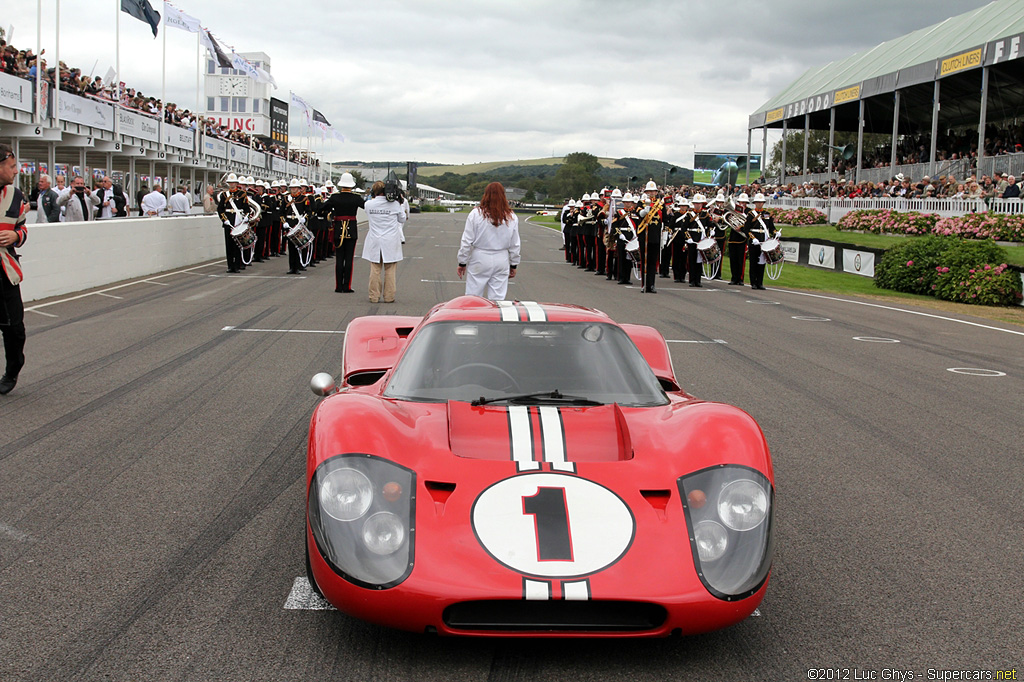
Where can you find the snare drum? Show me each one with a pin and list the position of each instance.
(300, 236)
(244, 235)
(708, 251)
(771, 249)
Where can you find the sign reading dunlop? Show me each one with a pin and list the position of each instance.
(774, 115)
(960, 62)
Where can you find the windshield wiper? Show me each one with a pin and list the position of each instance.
(553, 396)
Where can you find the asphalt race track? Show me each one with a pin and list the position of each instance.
(152, 491)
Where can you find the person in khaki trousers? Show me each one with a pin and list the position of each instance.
(383, 245)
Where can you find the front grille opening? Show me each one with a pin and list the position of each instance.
(554, 616)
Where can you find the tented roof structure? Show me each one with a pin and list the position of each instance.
(988, 36)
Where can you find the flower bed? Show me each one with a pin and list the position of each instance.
(998, 226)
(798, 216)
(951, 269)
(887, 221)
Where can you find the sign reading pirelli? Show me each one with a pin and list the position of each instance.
(960, 62)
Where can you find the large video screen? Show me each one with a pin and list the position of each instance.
(720, 169)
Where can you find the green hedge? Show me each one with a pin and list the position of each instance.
(951, 269)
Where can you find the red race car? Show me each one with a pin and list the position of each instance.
(524, 469)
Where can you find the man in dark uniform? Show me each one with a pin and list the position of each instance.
(761, 227)
(231, 203)
(624, 226)
(600, 255)
(696, 229)
(678, 245)
(262, 227)
(665, 256)
(341, 209)
(737, 243)
(610, 235)
(13, 234)
(296, 209)
(650, 238)
(588, 234)
(716, 229)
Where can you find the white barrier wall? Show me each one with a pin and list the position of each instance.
(61, 258)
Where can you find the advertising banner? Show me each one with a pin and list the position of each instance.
(858, 262)
(258, 160)
(179, 138)
(720, 169)
(791, 251)
(238, 154)
(136, 125)
(215, 147)
(15, 93)
(86, 111)
(278, 165)
(822, 256)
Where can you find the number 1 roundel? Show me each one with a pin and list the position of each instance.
(553, 525)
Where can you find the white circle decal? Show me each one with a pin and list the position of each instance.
(976, 372)
(553, 525)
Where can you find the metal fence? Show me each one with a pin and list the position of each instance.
(961, 169)
(835, 209)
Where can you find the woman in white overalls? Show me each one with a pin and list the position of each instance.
(489, 253)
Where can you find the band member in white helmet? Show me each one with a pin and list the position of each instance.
(489, 250)
(760, 227)
(737, 243)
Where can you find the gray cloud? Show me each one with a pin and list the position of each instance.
(457, 82)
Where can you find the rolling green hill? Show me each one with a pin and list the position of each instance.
(490, 166)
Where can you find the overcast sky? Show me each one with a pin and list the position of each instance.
(462, 82)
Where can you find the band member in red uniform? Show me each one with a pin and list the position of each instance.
(13, 234)
(341, 210)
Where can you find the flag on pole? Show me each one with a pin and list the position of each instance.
(319, 118)
(176, 18)
(214, 49)
(143, 11)
(337, 136)
(299, 102)
(249, 69)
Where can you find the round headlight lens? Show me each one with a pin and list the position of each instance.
(345, 494)
(712, 540)
(383, 533)
(742, 505)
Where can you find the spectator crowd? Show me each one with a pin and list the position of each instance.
(23, 64)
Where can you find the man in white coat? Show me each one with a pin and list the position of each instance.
(79, 202)
(154, 204)
(383, 245)
(489, 251)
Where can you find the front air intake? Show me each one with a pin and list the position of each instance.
(554, 616)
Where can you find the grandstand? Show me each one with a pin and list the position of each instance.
(949, 97)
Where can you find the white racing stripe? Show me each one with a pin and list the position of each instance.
(577, 590)
(521, 436)
(536, 590)
(553, 433)
(508, 311)
(535, 311)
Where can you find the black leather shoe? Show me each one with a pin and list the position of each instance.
(293, 272)
(7, 384)
(624, 283)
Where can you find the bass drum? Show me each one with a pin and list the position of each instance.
(710, 257)
(773, 258)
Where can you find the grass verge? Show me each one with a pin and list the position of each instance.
(807, 278)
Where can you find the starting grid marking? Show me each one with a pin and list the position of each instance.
(231, 328)
(303, 598)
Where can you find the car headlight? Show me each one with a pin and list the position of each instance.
(345, 494)
(360, 511)
(728, 512)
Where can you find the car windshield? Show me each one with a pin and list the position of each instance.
(582, 363)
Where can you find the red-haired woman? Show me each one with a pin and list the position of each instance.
(489, 252)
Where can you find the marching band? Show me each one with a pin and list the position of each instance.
(627, 237)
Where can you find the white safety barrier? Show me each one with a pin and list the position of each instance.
(61, 258)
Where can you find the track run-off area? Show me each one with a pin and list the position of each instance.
(152, 492)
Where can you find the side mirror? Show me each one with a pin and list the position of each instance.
(322, 384)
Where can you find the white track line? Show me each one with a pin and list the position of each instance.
(899, 310)
(303, 598)
(713, 341)
(282, 331)
(120, 286)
